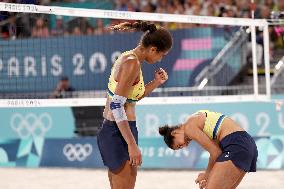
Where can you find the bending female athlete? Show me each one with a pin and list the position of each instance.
(233, 151)
(118, 137)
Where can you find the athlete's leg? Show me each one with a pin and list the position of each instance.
(110, 179)
(124, 178)
(238, 182)
(224, 175)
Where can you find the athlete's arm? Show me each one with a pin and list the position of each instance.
(200, 137)
(161, 77)
(128, 72)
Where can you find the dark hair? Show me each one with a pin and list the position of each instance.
(153, 36)
(64, 78)
(166, 132)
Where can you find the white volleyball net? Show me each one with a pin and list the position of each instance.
(44, 48)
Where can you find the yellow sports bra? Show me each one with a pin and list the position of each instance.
(137, 89)
(213, 123)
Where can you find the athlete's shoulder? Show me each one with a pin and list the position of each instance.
(130, 60)
(129, 55)
(197, 117)
(194, 117)
(203, 111)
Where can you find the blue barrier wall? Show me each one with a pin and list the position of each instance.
(31, 65)
(36, 122)
(83, 152)
(258, 118)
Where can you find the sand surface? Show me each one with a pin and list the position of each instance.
(55, 178)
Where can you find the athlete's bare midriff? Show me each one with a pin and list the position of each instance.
(228, 126)
(129, 109)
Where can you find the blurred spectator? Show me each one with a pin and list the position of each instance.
(83, 24)
(192, 7)
(130, 6)
(228, 2)
(45, 2)
(277, 34)
(12, 28)
(4, 30)
(100, 28)
(63, 89)
(280, 6)
(121, 5)
(264, 12)
(40, 29)
(78, 26)
(148, 7)
(270, 4)
(227, 11)
(24, 23)
(35, 2)
(162, 6)
(90, 30)
(59, 27)
(243, 9)
(207, 9)
(76, 31)
(137, 4)
(4, 15)
(178, 6)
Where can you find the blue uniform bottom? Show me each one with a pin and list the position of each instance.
(112, 146)
(240, 148)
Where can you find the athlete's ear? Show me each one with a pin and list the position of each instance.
(153, 49)
(173, 132)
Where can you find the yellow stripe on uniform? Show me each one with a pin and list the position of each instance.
(213, 123)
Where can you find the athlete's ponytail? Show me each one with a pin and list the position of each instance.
(144, 26)
(137, 26)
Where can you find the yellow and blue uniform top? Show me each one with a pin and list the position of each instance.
(137, 89)
(213, 123)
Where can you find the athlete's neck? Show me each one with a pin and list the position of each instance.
(139, 52)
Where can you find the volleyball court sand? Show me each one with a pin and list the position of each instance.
(54, 178)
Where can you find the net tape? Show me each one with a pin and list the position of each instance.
(68, 102)
(97, 13)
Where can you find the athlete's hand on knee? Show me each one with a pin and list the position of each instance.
(201, 180)
(161, 76)
(134, 155)
(202, 184)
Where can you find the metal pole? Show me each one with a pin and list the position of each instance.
(254, 64)
(266, 60)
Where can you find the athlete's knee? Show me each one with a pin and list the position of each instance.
(133, 171)
(212, 187)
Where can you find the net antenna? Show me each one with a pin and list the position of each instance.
(252, 24)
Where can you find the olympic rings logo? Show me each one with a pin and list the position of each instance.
(77, 152)
(31, 124)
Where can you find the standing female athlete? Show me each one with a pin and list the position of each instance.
(118, 137)
(233, 151)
